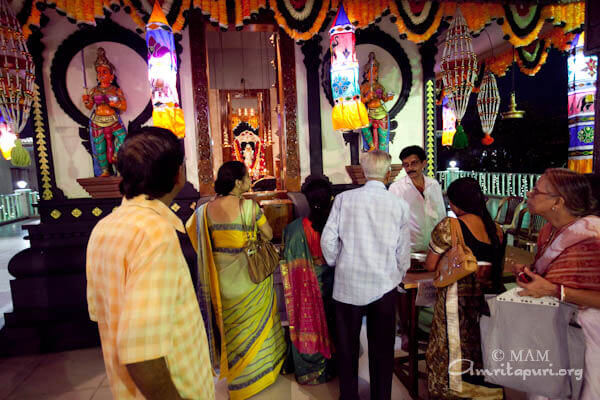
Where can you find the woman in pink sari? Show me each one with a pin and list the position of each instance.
(567, 263)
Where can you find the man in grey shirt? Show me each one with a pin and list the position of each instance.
(367, 239)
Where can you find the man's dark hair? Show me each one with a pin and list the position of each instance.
(410, 150)
(149, 161)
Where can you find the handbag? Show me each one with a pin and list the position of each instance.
(262, 255)
(457, 262)
(532, 345)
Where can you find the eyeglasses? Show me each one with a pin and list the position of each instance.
(534, 192)
(413, 163)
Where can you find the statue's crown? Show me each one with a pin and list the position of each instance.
(101, 60)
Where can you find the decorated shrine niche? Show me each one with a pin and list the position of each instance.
(250, 139)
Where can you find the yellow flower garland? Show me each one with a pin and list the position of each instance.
(499, 64)
(570, 16)
(180, 21)
(415, 37)
(297, 35)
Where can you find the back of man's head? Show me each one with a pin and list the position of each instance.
(376, 164)
(410, 150)
(149, 161)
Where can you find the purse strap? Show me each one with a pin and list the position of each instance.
(456, 233)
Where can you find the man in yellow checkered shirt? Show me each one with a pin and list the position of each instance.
(139, 288)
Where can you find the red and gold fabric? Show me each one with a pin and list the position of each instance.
(304, 304)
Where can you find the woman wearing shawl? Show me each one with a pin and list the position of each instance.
(308, 286)
(246, 340)
(567, 263)
(455, 331)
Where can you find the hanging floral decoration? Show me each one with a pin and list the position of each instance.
(476, 16)
(349, 112)
(570, 16)
(480, 76)
(459, 71)
(17, 74)
(362, 13)
(488, 104)
(522, 23)
(246, 9)
(531, 58)
(417, 21)
(301, 19)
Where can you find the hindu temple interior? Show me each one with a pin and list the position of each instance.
(262, 82)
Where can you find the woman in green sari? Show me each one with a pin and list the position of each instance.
(246, 339)
(308, 286)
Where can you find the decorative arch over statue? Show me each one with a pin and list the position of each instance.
(105, 31)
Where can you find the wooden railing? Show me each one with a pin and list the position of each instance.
(18, 205)
(499, 184)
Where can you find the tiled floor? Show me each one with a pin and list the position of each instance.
(79, 375)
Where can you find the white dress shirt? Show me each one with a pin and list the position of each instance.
(367, 238)
(426, 210)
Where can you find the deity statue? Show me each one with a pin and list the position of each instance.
(373, 94)
(107, 131)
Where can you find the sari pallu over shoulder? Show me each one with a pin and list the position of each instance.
(207, 290)
(308, 323)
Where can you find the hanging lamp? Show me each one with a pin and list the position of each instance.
(512, 112)
(162, 73)
(488, 104)
(349, 112)
(459, 72)
(17, 74)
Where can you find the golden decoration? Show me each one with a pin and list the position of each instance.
(76, 212)
(512, 112)
(55, 214)
(193, 206)
(40, 136)
(96, 212)
(175, 207)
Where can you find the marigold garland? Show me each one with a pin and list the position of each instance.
(499, 64)
(362, 13)
(567, 17)
(180, 20)
(403, 19)
(555, 38)
(531, 63)
(477, 17)
(307, 27)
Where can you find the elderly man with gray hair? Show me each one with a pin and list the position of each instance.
(367, 239)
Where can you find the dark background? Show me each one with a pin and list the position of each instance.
(528, 145)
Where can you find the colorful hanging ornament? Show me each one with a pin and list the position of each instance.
(448, 123)
(348, 112)
(488, 104)
(582, 95)
(7, 139)
(16, 80)
(162, 73)
(459, 72)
